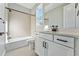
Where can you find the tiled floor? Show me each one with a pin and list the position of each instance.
(23, 51)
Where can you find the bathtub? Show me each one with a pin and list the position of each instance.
(18, 42)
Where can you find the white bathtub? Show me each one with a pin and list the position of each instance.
(17, 42)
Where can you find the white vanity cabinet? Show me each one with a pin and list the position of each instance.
(39, 49)
(77, 47)
(42, 44)
(62, 46)
(69, 16)
(54, 46)
(59, 50)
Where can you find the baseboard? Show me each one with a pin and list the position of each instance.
(3, 54)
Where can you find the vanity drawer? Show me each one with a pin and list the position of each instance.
(67, 41)
(46, 36)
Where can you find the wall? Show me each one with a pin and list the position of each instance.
(33, 25)
(19, 24)
(45, 21)
(33, 20)
(55, 16)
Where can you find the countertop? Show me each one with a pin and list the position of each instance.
(64, 32)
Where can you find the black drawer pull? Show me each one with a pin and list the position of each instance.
(62, 40)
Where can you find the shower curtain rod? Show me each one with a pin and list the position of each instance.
(22, 12)
(19, 11)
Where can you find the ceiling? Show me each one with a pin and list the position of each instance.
(47, 6)
(27, 5)
(52, 6)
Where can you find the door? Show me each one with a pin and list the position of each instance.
(2, 26)
(59, 50)
(69, 16)
(1, 17)
(39, 46)
(77, 16)
(2, 44)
